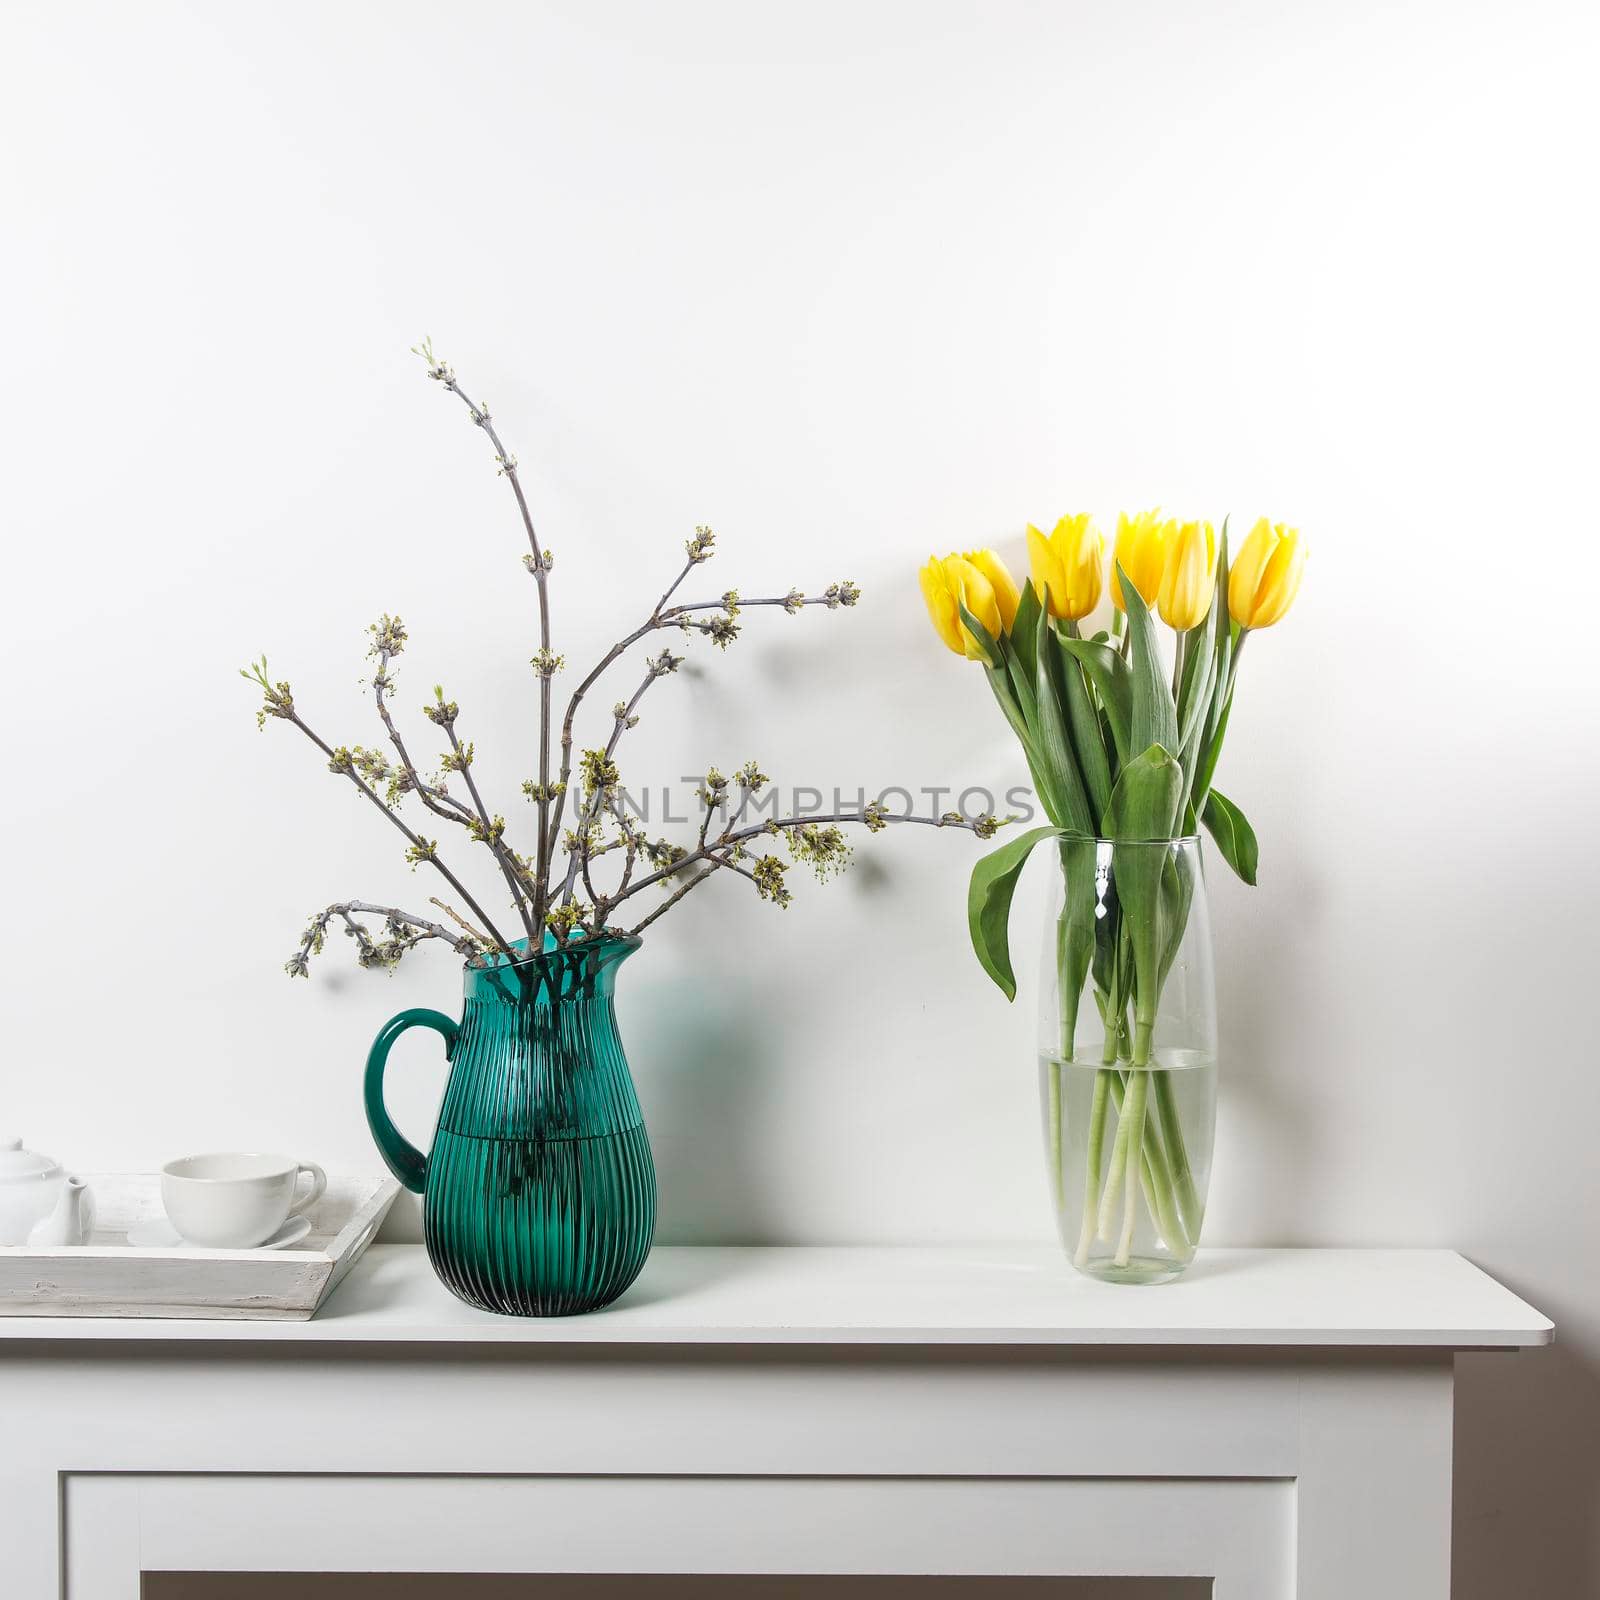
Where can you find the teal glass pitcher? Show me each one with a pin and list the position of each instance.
(539, 1194)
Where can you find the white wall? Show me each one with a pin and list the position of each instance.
(851, 283)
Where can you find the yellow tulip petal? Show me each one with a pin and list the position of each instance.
(973, 591)
(1049, 577)
(1006, 593)
(941, 603)
(1089, 579)
(1074, 542)
(1141, 552)
(1189, 576)
(1121, 554)
(1280, 583)
(1244, 576)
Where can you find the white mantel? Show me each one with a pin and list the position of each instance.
(1279, 1420)
(722, 1295)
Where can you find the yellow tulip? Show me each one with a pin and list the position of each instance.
(1190, 576)
(949, 584)
(1068, 566)
(1141, 552)
(1266, 575)
(1007, 595)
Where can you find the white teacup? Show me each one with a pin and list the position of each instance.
(236, 1201)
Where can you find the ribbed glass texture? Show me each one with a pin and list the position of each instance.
(539, 1195)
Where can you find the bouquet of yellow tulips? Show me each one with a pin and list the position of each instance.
(1122, 746)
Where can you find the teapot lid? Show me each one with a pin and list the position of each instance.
(15, 1162)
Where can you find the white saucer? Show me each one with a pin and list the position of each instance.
(159, 1234)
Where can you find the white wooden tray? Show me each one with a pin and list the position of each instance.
(108, 1277)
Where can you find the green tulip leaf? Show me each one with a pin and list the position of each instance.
(1177, 894)
(1155, 718)
(1075, 933)
(1107, 943)
(1234, 836)
(1071, 810)
(1042, 768)
(1211, 747)
(1144, 808)
(990, 644)
(1088, 741)
(1199, 678)
(989, 896)
(1022, 686)
(1144, 803)
(1205, 673)
(1178, 874)
(1025, 631)
(1000, 681)
(1109, 674)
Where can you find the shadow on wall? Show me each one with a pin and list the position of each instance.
(1525, 1445)
(696, 1072)
(1269, 1100)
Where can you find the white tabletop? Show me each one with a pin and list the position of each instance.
(970, 1296)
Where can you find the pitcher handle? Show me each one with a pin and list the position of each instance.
(401, 1157)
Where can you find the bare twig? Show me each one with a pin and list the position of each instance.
(632, 848)
(388, 635)
(623, 718)
(539, 562)
(716, 859)
(436, 800)
(679, 616)
(596, 900)
(516, 878)
(405, 928)
(791, 602)
(547, 849)
(460, 921)
(672, 588)
(872, 817)
(541, 903)
(422, 849)
(672, 899)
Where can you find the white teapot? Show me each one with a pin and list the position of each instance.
(39, 1203)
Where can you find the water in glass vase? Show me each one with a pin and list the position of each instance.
(1122, 1219)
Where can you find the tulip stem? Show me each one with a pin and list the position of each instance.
(1158, 1187)
(1156, 1181)
(1068, 1000)
(1054, 1069)
(1183, 1186)
(1112, 1193)
(1201, 791)
(1130, 1128)
(1131, 1138)
(1110, 1007)
(1094, 1158)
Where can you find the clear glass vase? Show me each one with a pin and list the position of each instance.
(1128, 1055)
